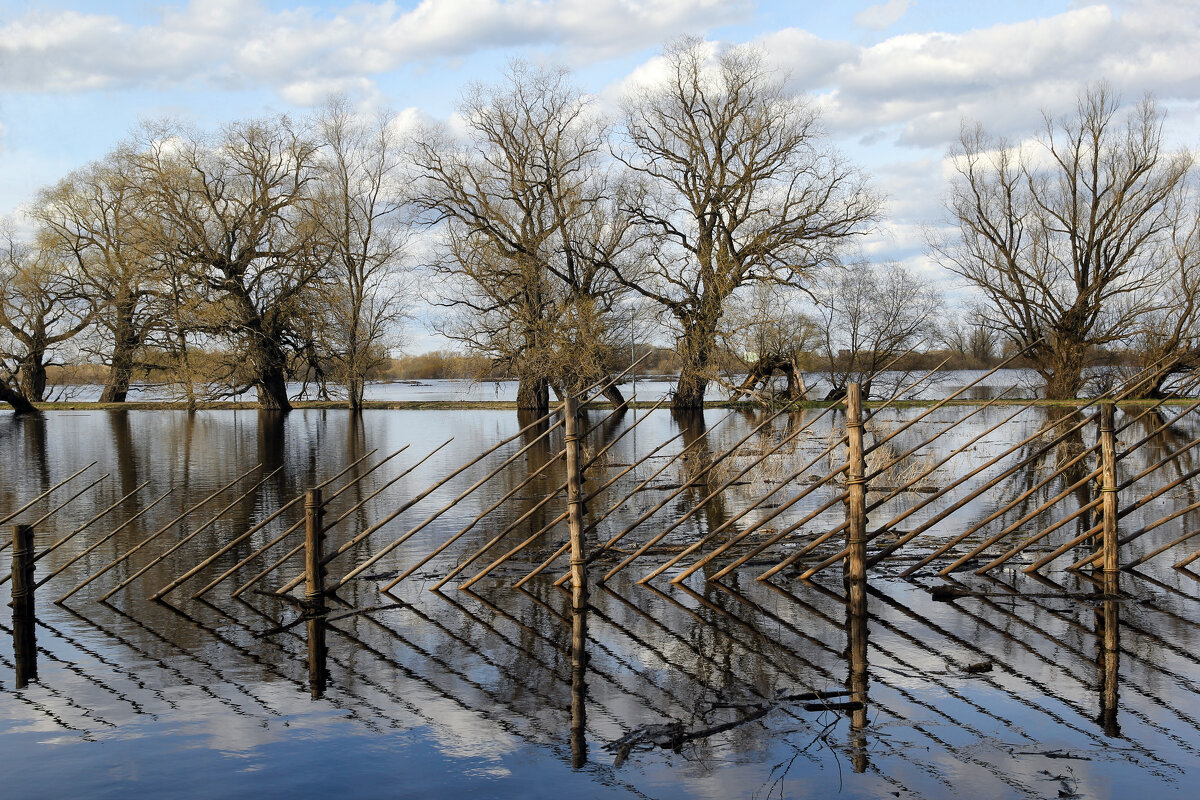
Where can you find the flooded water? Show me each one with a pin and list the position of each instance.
(1014, 383)
(1029, 686)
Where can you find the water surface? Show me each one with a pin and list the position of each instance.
(688, 691)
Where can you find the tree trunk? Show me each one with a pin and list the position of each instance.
(31, 374)
(1063, 375)
(695, 351)
(120, 372)
(613, 393)
(126, 341)
(20, 404)
(796, 390)
(355, 388)
(272, 392)
(533, 394)
(271, 378)
(1061, 364)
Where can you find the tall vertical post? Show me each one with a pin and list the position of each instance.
(856, 573)
(1108, 489)
(314, 536)
(24, 642)
(856, 500)
(574, 496)
(22, 566)
(578, 584)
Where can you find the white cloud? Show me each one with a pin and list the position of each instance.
(917, 88)
(224, 41)
(316, 91)
(883, 15)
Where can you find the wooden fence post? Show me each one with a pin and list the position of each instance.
(856, 500)
(575, 498)
(1108, 489)
(578, 584)
(22, 567)
(314, 536)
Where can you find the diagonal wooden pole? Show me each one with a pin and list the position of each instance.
(47, 551)
(63, 568)
(297, 525)
(203, 527)
(591, 496)
(154, 535)
(235, 541)
(781, 535)
(1025, 518)
(810, 546)
(44, 495)
(535, 535)
(524, 482)
(353, 573)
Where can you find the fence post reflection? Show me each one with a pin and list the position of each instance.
(24, 634)
(857, 680)
(317, 651)
(578, 680)
(1108, 646)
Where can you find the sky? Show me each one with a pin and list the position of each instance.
(894, 81)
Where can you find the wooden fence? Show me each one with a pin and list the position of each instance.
(1078, 527)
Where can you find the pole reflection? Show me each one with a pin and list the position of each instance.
(318, 672)
(1108, 647)
(579, 659)
(857, 678)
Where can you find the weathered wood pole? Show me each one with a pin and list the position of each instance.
(314, 536)
(24, 642)
(22, 566)
(578, 585)
(856, 499)
(575, 501)
(1108, 488)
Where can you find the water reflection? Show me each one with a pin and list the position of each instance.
(317, 654)
(1108, 655)
(718, 682)
(579, 660)
(24, 633)
(856, 678)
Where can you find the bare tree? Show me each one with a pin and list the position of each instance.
(739, 187)
(92, 218)
(868, 316)
(1166, 339)
(41, 308)
(765, 333)
(969, 335)
(359, 207)
(533, 234)
(1063, 238)
(234, 214)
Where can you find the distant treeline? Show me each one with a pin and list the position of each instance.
(711, 212)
